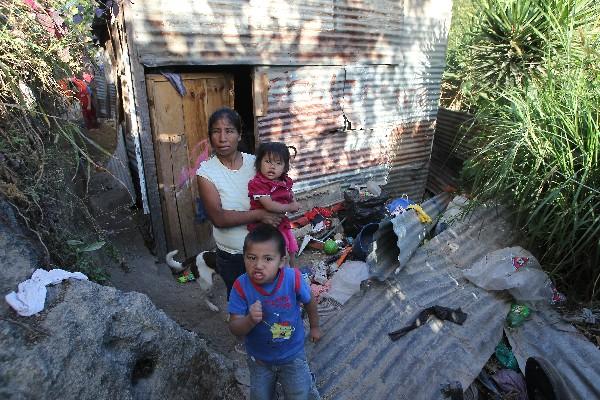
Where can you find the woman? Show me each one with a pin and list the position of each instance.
(223, 183)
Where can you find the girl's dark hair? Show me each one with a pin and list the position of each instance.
(277, 149)
(225, 113)
(264, 233)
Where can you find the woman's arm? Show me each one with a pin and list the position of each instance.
(227, 218)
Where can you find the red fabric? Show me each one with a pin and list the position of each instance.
(290, 240)
(82, 92)
(297, 277)
(280, 191)
(239, 289)
(325, 212)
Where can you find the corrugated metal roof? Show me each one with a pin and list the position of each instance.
(573, 356)
(355, 359)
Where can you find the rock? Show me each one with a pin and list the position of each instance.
(96, 342)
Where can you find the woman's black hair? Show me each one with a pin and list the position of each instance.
(264, 233)
(277, 149)
(225, 113)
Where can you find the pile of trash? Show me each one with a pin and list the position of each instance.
(342, 236)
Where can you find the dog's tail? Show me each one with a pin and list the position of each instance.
(175, 265)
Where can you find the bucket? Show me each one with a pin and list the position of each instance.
(361, 247)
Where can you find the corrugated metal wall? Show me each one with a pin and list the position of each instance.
(376, 64)
(450, 149)
(391, 112)
(273, 32)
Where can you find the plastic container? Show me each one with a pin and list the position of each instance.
(361, 247)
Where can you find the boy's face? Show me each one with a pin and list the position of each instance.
(262, 261)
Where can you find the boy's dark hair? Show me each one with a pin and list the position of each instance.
(225, 113)
(264, 233)
(276, 149)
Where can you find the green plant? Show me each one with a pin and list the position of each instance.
(43, 42)
(85, 262)
(537, 152)
(508, 44)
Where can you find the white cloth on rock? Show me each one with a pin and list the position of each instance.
(31, 295)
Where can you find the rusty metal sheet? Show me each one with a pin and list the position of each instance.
(355, 359)
(450, 149)
(351, 124)
(271, 32)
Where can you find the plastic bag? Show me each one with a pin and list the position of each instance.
(505, 356)
(347, 280)
(517, 315)
(513, 269)
(362, 210)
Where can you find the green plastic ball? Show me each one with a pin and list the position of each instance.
(330, 246)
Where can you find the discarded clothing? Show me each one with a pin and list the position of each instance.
(319, 290)
(176, 82)
(31, 296)
(512, 384)
(449, 314)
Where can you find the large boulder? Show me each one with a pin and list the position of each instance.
(96, 342)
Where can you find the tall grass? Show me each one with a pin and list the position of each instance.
(538, 145)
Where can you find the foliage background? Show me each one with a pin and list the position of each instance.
(529, 72)
(44, 163)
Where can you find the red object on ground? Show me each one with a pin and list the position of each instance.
(311, 214)
(343, 256)
(300, 222)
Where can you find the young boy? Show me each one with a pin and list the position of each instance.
(264, 306)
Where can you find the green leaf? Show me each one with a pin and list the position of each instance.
(94, 246)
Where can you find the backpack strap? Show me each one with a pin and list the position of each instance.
(237, 286)
(297, 280)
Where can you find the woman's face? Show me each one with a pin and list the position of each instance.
(224, 137)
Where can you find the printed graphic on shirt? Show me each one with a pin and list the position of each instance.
(281, 331)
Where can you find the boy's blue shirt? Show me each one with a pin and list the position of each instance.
(279, 337)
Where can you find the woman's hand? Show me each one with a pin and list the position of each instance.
(271, 219)
(293, 207)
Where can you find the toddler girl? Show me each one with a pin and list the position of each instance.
(271, 189)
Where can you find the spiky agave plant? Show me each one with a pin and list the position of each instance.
(508, 43)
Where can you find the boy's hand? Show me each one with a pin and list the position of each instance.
(315, 334)
(256, 314)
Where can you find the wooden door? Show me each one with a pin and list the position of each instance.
(180, 135)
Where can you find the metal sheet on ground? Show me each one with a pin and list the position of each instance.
(355, 359)
(575, 358)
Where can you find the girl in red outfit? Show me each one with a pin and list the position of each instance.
(271, 189)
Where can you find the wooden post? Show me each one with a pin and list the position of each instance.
(140, 128)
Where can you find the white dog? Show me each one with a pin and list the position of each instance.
(202, 272)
